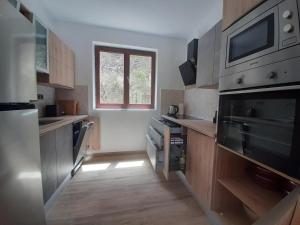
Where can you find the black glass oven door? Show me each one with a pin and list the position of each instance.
(263, 126)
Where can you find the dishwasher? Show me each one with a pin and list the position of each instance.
(81, 132)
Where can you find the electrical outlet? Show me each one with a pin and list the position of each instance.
(40, 97)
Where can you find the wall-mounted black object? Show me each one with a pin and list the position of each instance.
(51, 110)
(192, 52)
(188, 73)
(215, 117)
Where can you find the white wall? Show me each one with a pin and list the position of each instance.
(48, 98)
(122, 130)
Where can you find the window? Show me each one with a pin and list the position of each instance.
(125, 78)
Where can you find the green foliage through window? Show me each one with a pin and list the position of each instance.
(124, 78)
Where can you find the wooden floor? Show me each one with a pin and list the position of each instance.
(124, 194)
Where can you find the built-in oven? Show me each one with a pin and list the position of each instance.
(264, 126)
(263, 48)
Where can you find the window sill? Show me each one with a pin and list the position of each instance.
(124, 110)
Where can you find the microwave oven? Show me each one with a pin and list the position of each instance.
(263, 126)
(263, 48)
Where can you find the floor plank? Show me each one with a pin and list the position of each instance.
(124, 196)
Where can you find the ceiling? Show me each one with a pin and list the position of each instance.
(171, 18)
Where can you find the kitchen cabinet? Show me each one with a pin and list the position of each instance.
(296, 217)
(42, 50)
(235, 9)
(48, 164)
(217, 53)
(64, 153)
(208, 64)
(62, 63)
(235, 190)
(163, 153)
(56, 159)
(200, 158)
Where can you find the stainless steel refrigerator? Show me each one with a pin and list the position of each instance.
(21, 199)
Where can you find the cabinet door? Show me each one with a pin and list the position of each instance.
(54, 65)
(296, 216)
(167, 148)
(69, 67)
(61, 63)
(64, 152)
(217, 52)
(235, 9)
(48, 164)
(42, 52)
(206, 59)
(200, 164)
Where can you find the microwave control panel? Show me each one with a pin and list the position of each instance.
(288, 24)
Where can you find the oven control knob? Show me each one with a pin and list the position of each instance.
(272, 75)
(287, 14)
(288, 28)
(239, 80)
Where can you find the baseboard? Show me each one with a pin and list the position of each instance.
(98, 154)
(212, 216)
(48, 205)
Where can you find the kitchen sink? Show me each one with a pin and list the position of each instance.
(46, 122)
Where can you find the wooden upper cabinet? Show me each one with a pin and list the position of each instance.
(205, 64)
(208, 65)
(61, 63)
(235, 9)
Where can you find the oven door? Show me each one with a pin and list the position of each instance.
(263, 126)
(256, 38)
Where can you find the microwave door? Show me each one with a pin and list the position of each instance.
(257, 38)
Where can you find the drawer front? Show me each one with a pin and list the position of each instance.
(157, 125)
(155, 156)
(175, 130)
(156, 137)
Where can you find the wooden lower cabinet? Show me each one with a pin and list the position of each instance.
(200, 165)
(56, 159)
(296, 217)
(236, 194)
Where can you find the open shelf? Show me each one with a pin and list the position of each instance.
(224, 149)
(258, 199)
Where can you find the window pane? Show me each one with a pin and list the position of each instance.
(140, 79)
(111, 78)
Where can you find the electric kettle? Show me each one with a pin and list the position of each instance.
(173, 110)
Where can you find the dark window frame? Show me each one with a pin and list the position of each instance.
(127, 53)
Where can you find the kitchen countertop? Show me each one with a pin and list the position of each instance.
(59, 122)
(202, 126)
